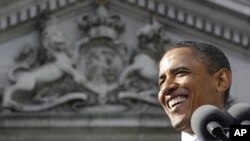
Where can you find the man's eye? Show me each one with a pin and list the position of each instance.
(161, 81)
(181, 73)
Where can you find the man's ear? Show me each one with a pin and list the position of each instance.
(223, 79)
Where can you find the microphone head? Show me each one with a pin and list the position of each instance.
(206, 114)
(241, 112)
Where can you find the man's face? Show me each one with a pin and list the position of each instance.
(185, 84)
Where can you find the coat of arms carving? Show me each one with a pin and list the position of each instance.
(100, 74)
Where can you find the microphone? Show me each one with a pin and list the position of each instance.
(208, 123)
(241, 113)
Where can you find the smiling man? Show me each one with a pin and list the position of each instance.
(192, 74)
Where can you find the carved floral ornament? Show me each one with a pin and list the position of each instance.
(101, 75)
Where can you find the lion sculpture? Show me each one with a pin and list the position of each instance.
(55, 43)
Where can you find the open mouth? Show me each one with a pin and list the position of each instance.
(176, 101)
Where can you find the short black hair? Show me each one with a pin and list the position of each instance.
(212, 56)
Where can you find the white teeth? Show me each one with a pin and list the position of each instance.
(176, 100)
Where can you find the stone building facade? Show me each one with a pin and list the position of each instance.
(87, 70)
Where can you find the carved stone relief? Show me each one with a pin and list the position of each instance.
(140, 77)
(98, 75)
(52, 62)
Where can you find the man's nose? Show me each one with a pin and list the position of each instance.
(169, 87)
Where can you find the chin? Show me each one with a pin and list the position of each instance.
(182, 124)
(177, 125)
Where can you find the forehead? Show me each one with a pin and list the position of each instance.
(180, 57)
(182, 51)
(180, 54)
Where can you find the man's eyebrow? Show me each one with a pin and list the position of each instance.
(174, 71)
(177, 69)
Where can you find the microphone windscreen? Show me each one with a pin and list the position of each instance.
(241, 112)
(206, 114)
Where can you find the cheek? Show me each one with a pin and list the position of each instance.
(196, 100)
(161, 99)
(197, 87)
(202, 92)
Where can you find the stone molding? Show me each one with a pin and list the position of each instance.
(172, 12)
(193, 20)
(32, 11)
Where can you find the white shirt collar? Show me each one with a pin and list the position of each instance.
(188, 137)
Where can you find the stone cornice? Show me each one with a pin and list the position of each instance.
(169, 9)
(16, 22)
(196, 21)
(78, 120)
(30, 11)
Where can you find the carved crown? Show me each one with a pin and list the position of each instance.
(102, 25)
